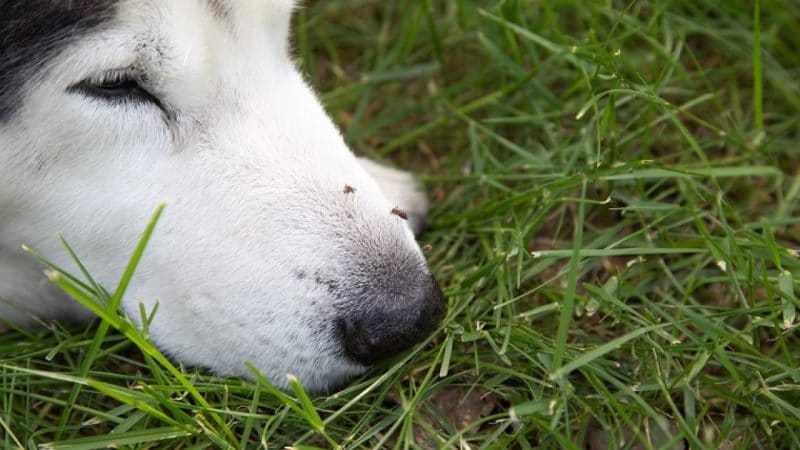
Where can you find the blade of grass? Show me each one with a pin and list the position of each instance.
(758, 96)
(116, 440)
(565, 318)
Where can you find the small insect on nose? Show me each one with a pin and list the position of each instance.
(386, 328)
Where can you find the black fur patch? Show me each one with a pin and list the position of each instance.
(33, 32)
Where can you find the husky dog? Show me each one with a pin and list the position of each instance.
(278, 246)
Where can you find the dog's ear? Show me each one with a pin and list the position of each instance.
(403, 190)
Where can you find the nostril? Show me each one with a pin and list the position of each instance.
(434, 309)
(385, 328)
(357, 343)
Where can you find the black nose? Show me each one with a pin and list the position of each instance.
(386, 327)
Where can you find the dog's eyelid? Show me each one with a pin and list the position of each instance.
(116, 75)
(110, 78)
(123, 84)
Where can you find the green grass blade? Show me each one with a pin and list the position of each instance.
(587, 357)
(758, 86)
(138, 437)
(565, 319)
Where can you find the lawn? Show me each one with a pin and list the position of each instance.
(615, 223)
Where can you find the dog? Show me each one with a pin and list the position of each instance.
(278, 246)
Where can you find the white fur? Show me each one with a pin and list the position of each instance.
(252, 171)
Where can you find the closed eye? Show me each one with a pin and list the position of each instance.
(117, 85)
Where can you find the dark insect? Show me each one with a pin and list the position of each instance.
(400, 213)
(349, 189)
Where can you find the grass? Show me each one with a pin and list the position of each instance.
(615, 224)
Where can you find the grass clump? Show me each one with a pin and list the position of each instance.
(615, 224)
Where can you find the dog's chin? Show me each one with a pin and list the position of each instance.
(334, 375)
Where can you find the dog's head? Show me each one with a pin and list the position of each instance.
(278, 246)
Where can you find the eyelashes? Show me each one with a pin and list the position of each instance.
(113, 85)
(118, 86)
